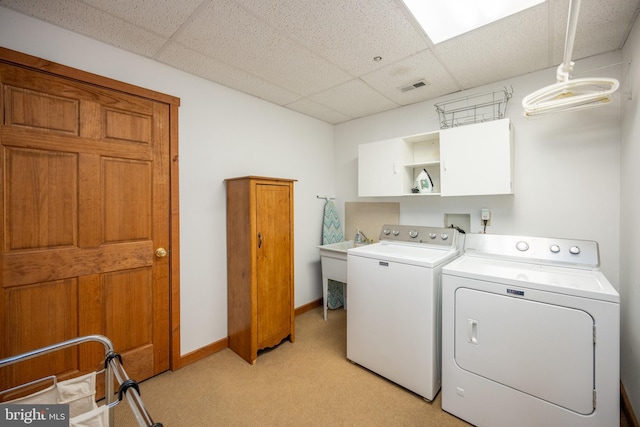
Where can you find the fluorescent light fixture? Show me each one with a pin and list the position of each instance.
(445, 19)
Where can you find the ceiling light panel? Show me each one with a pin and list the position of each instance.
(443, 20)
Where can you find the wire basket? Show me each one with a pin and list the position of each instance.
(471, 109)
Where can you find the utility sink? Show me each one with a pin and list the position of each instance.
(336, 250)
(333, 258)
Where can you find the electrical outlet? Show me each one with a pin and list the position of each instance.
(485, 215)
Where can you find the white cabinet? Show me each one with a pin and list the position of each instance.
(477, 159)
(380, 168)
(390, 167)
(463, 161)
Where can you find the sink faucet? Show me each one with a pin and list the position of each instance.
(361, 238)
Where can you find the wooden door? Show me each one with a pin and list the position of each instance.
(84, 204)
(274, 263)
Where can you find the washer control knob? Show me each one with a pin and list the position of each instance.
(554, 248)
(522, 246)
(386, 231)
(413, 234)
(432, 235)
(444, 236)
(574, 250)
(395, 232)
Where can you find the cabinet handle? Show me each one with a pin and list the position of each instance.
(259, 240)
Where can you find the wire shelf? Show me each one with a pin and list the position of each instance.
(471, 109)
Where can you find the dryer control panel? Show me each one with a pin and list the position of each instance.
(541, 250)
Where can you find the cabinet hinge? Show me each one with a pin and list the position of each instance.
(594, 334)
(594, 399)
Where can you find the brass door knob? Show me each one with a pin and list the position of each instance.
(161, 252)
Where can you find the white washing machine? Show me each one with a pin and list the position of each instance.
(531, 334)
(393, 321)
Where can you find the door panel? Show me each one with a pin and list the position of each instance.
(47, 309)
(541, 349)
(128, 126)
(127, 203)
(42, 210)
(85, 203)
(274, 268)
(124, 290)
(41, 110)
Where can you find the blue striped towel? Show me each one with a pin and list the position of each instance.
(331, 229)
(332, 233)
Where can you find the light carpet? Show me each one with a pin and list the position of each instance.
(306, 383)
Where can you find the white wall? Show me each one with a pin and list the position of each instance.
(222, 134)
(567, 177)
(630, 236)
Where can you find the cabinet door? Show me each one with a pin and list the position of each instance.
(381, 168)
(477, 159)
(273, 264)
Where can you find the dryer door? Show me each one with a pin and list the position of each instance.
(541, 349)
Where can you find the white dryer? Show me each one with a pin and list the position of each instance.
(530, 334)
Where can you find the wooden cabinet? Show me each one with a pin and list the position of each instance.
(259, 264)
(463, 161)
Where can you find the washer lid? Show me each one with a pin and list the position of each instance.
(406, 253)
(570, 281)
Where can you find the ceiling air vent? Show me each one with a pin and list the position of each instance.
(415, 85)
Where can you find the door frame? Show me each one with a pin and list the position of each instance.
(38, 64)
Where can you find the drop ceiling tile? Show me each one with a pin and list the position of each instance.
(558, 12)
(163, 17)
(316, 57)
(421, 66)
(195, 63)
(506, 48)
(81, 18)
(228, 33)
(354, 98)
(602, 27)
(347, 33)
(313, 109)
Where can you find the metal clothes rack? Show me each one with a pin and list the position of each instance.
(112, 368)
